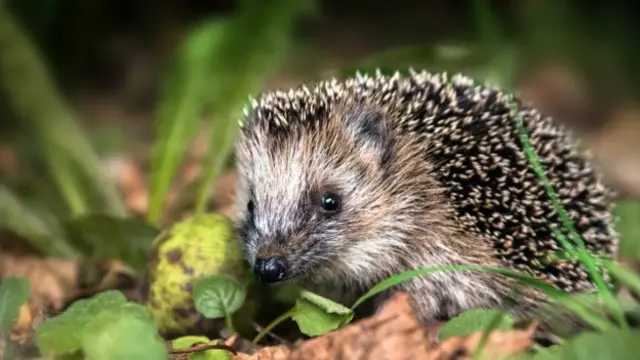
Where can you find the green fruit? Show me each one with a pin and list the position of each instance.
(201, 245)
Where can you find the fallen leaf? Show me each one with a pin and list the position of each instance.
(22, 327)
(267, 353)
(394, 333)
(51, 279)
(499, 345)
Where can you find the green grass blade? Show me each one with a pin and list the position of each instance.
(67, 183)
(22, 220)
(189, 90)
(581, 252)
(253, 46)
(487, 27)
(626, 276)
(559, 296)
(34, 97)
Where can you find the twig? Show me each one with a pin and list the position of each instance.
(197, 347)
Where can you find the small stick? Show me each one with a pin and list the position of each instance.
(197, 347)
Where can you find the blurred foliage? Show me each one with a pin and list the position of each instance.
(223, 62)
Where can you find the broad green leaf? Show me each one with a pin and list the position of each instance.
(628, 226)
(14, 292)
(287, 293)
(316, 315)
(612, 344)
(62, 334)
(105, 236)
(188, 341)
(474, 320)
(118, 336)
(217, 296)
(551, 353)
(327, 305)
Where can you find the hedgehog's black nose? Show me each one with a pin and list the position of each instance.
(271, 270)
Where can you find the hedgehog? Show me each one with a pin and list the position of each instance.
(347, 182)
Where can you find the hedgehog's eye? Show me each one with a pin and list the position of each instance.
(330, 202)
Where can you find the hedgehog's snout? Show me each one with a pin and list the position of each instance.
(271, 270)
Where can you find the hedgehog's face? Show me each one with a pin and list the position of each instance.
(325, 203)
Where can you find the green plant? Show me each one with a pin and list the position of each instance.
(224, 62)
(14, 293)
(218, 297)
(34, 97)
(102, 325)
(187, 342)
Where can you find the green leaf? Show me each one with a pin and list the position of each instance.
(474, 320)
(550, 353)
(628, 227)
(188, 341)
(105, 236)
(187, 92)
(62, 334)
(327, 305)
(612, 344)
(14, 292)
(118, 336)
(25, 220)
(316, 315)
(218, 296)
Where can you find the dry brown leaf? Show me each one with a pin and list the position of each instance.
(379, 337)
(267, 353)
(22, 328)
(50, 279)
(499, 345)
(395, 334)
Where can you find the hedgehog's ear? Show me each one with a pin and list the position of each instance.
(371, 132)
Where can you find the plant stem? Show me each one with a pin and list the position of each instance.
(273, 324)
(229, 323)
(70, 188)
(9, 348)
